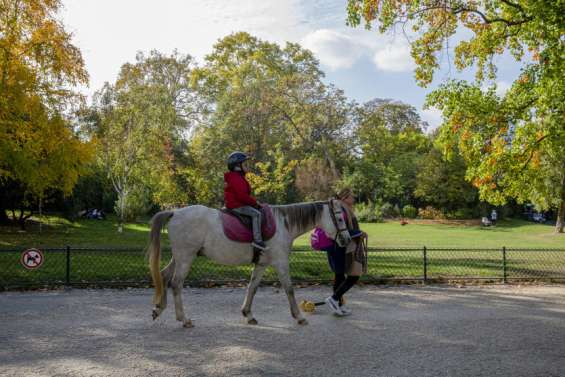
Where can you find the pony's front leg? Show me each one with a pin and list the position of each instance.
(256, 277)
(284, 277)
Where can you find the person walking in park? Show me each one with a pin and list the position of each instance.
(493, 217)
(337, 256)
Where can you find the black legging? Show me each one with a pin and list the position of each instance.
(342, 285)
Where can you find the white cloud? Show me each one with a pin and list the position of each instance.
(432, 116)
(501, 87)
(109, 32)
(334, 49)
(394, 57)
(340, 49)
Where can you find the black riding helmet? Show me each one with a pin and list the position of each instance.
(236, 158)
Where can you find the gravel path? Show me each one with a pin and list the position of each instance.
(394, 331)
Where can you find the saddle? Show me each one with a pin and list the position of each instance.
(238, 227)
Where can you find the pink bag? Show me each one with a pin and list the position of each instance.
(319, 240)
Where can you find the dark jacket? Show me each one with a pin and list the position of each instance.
(237, 191)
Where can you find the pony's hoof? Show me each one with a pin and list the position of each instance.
(187, 324)
(302, 321)
(155, 314)
(252, 321)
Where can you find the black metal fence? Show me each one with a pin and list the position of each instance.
(112, 266)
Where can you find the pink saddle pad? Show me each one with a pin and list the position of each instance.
(235, 230)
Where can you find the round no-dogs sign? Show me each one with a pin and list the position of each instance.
(32, 259)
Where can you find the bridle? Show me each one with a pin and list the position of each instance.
(333, 215)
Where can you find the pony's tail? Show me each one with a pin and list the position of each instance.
(154, 252)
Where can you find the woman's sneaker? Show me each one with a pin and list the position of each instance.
(334, 306)
(345, 310)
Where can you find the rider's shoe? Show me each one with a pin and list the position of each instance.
(259, 245)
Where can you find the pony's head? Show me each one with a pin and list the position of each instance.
(334, 224)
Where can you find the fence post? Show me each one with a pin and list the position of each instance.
(425, 252)
(68, 269)
(504, 264)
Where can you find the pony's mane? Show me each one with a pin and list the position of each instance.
(300, 216)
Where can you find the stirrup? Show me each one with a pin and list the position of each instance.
(259, 247)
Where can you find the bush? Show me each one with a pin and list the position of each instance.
(368, 212)
(430, 213)
(390, 211)
(91, 191)
(508, 211)
(409, 211)
(462, 214)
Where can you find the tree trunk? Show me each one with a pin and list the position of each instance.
(122, 196)
(560, 217)
(4, 219)
(23, 217)
(22, 222)
(40, 215)
(3, 216)
(122, 192)
(561, 209)
(330, 161)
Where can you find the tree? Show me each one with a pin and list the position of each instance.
(521, 155)
(315, 180)
(509, 154)
(93, 190)
(143, 123)
(441, 182)
(261, 95)
(390, 141)
(273, 179)
(39, 148)
(158, 86)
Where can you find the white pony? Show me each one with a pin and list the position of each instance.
(197, 230)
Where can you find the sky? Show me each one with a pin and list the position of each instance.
(364, 63)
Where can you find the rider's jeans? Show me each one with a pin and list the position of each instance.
(255, 215)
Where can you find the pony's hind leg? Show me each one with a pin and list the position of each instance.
(167, 274)
(284, 278)
(181, 270)
(256, 277)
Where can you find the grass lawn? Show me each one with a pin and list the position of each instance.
(509, 233)
(58, 232)
(88, 266)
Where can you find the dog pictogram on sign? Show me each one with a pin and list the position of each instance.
(32, 259)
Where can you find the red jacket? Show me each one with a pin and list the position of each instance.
(237, 191)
